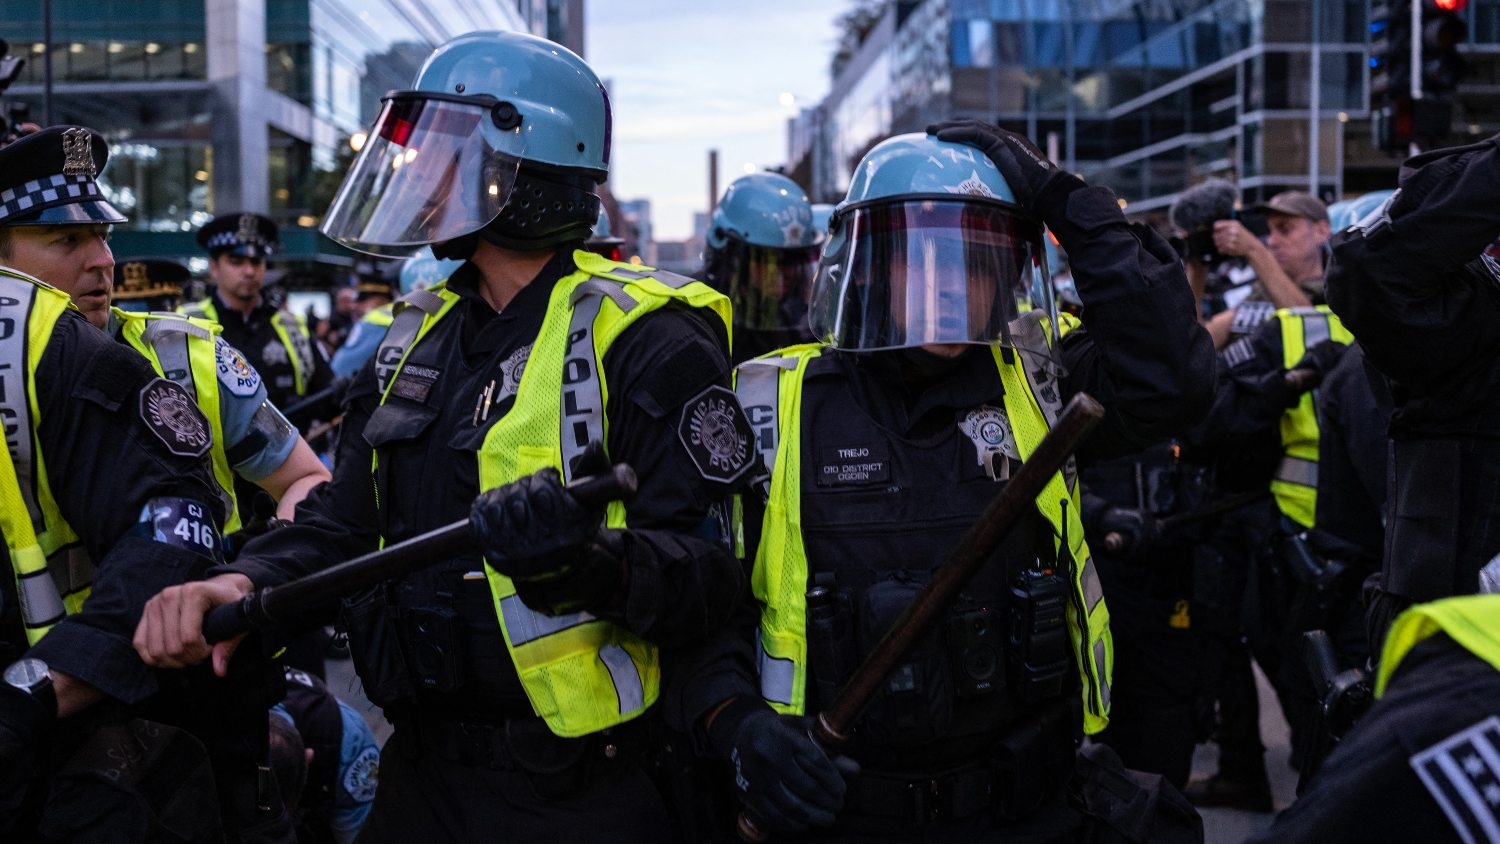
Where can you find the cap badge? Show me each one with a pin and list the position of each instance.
(249, 231)
(78, 153)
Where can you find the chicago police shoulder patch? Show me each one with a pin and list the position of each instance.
(235, 373)
(716, 434)
(169, 412)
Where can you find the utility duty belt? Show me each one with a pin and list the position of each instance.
(557, 767)
(1028, 765)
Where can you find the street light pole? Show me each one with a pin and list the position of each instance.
(46, 62)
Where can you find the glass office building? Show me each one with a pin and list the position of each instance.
(1145, 96)
(215, 106)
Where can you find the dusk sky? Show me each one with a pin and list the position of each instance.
(689, 77)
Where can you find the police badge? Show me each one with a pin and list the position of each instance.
(78, 153)
(171, 415)
(989, 429)
(716, 434)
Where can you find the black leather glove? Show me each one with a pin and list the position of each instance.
(1320, 360)
(1127, 530)
(787, 782)
(547, 542)
(1025, 168)
(25, 729)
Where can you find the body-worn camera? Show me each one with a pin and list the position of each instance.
(976, 650)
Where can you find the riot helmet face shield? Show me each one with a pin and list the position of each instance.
(434, 168)
(768, 286)
(919, 271)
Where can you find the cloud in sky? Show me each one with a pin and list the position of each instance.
(689, 77)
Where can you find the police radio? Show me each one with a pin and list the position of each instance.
(1038, 634)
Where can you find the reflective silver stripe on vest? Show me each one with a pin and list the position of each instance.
(21, 295)
(301, 344)
(582, 414)
(527, 625)
(170, 342)
(1314, 330)
(1093, 592)
(600, 287)
(1103, 680)
(73, 568)
(41, 603)
(672, 280)
(627, 681)
(1294, 470)
(776, 675)
(758, 386)
(406, 323)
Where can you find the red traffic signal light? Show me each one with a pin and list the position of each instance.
(1450, 5)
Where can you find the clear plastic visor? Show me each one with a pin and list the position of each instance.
(925, 272)
(769, 287)
(431, 170)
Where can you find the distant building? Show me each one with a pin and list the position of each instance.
(1145, 96)
(224, 105)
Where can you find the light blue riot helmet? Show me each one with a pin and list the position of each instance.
(423, 270)
(928, 248)
(503, 136)
(822, 211)
(1342, 215)
(762, 249)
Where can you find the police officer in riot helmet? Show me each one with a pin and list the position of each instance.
(111, 500)
(521, 681)
(931, 381)
(761, 250)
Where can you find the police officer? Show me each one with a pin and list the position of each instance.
(339, 774)
(761, 249)
(1424, 762)
(108, 498)
(885, 441)
(520, 691)
(1416, 282)
(277, 343)
(254, 445)
(603, 240)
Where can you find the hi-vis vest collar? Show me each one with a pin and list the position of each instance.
(770, 390)
(53, 575)
(1295, 485)
(581, 674)
(181, 349)
(290, 329)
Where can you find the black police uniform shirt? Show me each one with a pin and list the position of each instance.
(1354, 410)
(256, 338)
(1142, 353)
(106, 457)
(682, 580)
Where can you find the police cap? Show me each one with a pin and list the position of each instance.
(144, 278)
(247, 234)
(48, 178)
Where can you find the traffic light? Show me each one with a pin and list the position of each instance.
(1443, 29)
(1390, 52)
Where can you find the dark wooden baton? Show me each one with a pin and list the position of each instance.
(833, 726)
(278, 604)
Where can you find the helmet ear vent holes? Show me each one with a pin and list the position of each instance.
(580, 146)
(459, 88)
(505, 116)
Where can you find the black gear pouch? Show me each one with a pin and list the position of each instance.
(375, 648)
(916, 702)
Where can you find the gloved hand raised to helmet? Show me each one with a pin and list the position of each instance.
(787, 783)
(1128, 530)
(552, 546)
(1025, 168)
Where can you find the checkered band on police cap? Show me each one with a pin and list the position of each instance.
(50, 169)
(244, 233)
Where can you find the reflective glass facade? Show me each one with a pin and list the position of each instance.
(224, 105)
(1146, 96)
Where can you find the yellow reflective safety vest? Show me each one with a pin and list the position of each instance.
(380, 316)
(181, 349)
(770, 390)
(581, 674)
(290, 329)
(53, 574)
(1473, 621)
(1295, 485)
